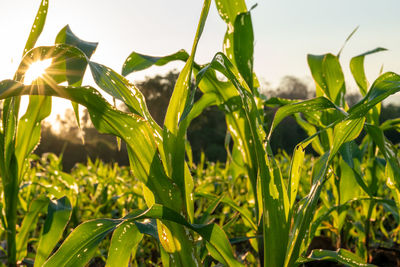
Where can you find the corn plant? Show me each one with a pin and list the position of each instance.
(283, 222)
(280, 224)
(156, 154)
(349, 165)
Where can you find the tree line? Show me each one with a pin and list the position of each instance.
(206, 134)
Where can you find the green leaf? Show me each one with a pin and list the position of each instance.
(328, 76)
(243, 46)
(347, 39)
(74, 67)
(357, 69)
(295, 173)
(66, 36)
(340, 256)
(211, 233)
(311, 105)
(389, 152)
(278, 102)
(345, 206)
(9, 166)
(228, 45)
(135, 131)
(346, 131)
(228, 201)
(148, 227)
(58, 215)
(120, 88)
(174, 142)
(384, 86)
(181, 91)
(125, 238)
(391, 124)
(229, 9)
(37, 26)
(311, 130)
(244, 121)
(81, 244)
(136, 62)
(39, 108)
(28, 224)
(304, 216)
(353, 156)
(58, 71)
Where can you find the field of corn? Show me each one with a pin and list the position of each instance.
(340, 204)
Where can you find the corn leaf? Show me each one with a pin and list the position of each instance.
(295, 173)
(9, 167)
(353, 156)
(133, 129)
(340, 256)
(58, 215)
(136, 62)
(138, 135)
(390, 154)
(37, 26)
(384, 86)
(228, 201)
(174, 142)
(228, 10)
(275, 202)
(243, 46)
(28, 224)
(357, 69)
(39, 108)
(182, 86)
(81, 244)
(124, 239)
(328, 76)
(312, 105)
(345, 42)
(344, 131)
(57, 71)
(310, 130)
(391, 124)
(120, 88)
(212, 233)
(66, 36)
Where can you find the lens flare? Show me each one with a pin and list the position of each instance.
(36, 70)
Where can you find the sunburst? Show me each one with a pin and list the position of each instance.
(36, 70)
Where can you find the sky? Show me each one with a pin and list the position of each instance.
(285, 32)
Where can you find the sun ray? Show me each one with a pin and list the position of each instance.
(36, 70)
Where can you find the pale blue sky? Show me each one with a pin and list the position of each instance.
(285, 31)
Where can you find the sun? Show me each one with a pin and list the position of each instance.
(36, 70)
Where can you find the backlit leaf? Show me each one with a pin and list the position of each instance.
(58, 215)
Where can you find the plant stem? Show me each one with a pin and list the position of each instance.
(11, 201)
(367, 226)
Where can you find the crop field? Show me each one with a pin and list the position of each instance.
(338, 205)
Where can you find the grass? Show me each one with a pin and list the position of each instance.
(192, 215)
